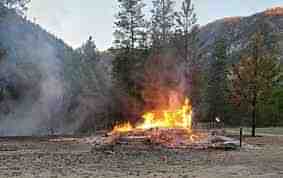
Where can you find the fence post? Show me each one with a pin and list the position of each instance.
(241, 136)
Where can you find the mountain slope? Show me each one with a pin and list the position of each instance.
(237, 30)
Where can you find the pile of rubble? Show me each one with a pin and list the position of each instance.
(167, 138)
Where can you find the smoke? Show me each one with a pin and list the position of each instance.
(163, 86)
(54, 94)
(96, 101)
(34, 112)
(164, 75)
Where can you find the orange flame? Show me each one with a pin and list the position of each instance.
(127, 127)
(178, 117)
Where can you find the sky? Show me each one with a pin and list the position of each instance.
(75, 20)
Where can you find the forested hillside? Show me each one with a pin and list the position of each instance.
(47, 87)
(236, 33)
(237, 30)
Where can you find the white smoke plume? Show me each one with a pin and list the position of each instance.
(37, 117)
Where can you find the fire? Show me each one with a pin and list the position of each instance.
(179, 118)
(170, 118)
(123, 127)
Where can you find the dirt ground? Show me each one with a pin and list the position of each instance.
(49, 157)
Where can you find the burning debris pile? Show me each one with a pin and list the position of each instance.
(170, 128)
(170, 138)
(173, 138)
(166, 117)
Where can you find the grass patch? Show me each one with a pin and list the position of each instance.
(267, 130)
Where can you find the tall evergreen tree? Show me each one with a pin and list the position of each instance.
(217, 81)
(186, 44)
(88, 63)
(194, 73)
(129, 24)
(162, 23)
(186, 19)
(130, 37)
(88, 50)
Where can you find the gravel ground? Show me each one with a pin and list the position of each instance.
(42, 157)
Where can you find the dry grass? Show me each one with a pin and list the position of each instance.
(269, 131)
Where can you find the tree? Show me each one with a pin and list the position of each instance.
(162, 22)
(194, 73)
(186, 43)
(88, 51)
(130, 43)
(217, 80)
(185, 19)
(257, 73)
(129, 24)
(18, 5)
(88, 66)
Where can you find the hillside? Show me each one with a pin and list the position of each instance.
(237, 30)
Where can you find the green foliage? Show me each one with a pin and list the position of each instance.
(128, 70)
(162, 23)
(122, 66)
(186, 19)
(88, 67)
(270, 113)
(217, 96)
(130, 45)
(129, 24)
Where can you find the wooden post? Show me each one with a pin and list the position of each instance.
(241, 136)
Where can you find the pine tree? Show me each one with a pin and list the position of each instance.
(130, 24)
(217, 81)
(186, 19)
(162, 23)
(88, 51)
(194, 73)
(88, 66)
(186, 45)
(130, 37)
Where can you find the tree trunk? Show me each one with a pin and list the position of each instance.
(254, 102)
(253, 122)
(163, 24)
(132, 35)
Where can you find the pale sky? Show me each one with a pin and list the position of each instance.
(75, 20)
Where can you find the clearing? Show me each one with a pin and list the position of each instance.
(73, 157)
